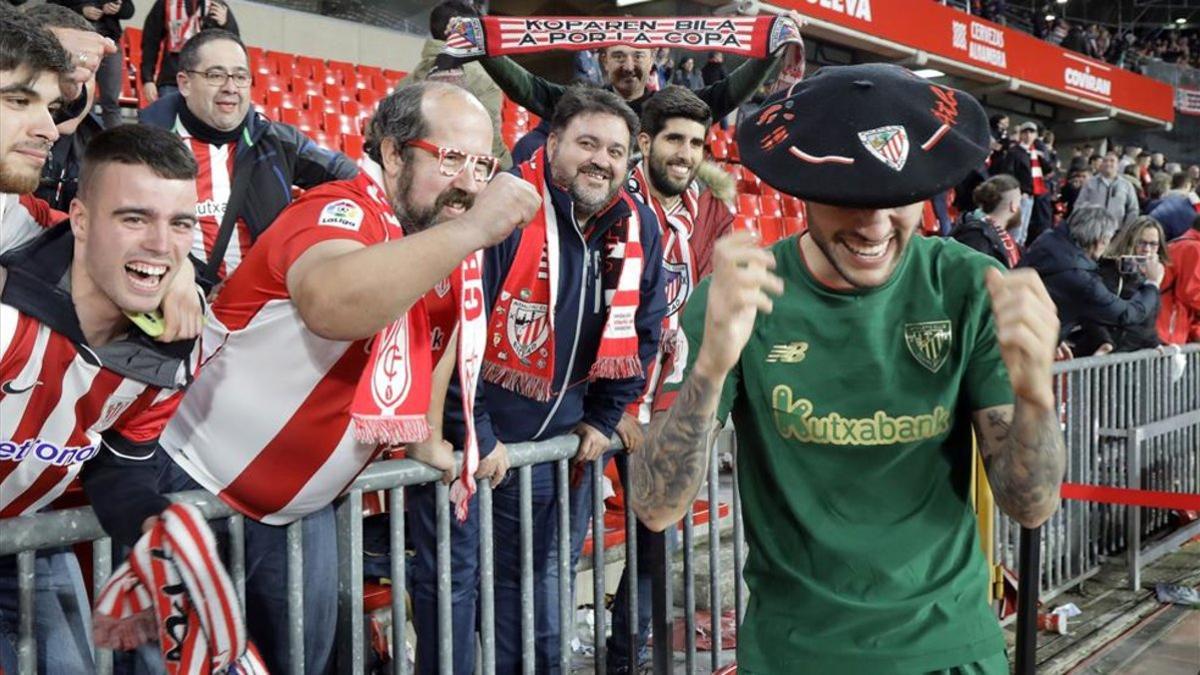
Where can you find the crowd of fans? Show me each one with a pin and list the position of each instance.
(1115, 234)
(1127, 48)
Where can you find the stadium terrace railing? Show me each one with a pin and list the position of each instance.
(1131, 420)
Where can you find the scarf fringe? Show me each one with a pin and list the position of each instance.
(616, 368)
(390, 430)
(525, 384)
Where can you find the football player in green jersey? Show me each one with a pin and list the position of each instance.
(857, 360)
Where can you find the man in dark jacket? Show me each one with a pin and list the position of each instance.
(168, 27)
(988, 228)
(1066, 258)
(212, 113)
(1176, 210)
(540, 378)
(106, 16)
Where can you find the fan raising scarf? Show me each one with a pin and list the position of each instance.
(520, 353)
(174, 588)
(181, 24)
(750, 36)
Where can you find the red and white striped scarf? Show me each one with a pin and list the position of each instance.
(750, 36)
(1035, 172)
(520, 351)
(181, 23)
(174, 588)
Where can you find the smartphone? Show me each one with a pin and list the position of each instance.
(150, 323)
(1131, 264)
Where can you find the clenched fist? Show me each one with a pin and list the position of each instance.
(1027, 331)
(742, 286)
(508, 202)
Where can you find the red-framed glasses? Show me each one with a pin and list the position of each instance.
(452, 161)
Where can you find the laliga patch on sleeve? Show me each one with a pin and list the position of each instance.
(343, 213)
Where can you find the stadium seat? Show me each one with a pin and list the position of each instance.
(342, 124)
(747, 205)
(351, 107)
(352, 145)
(769, 205)
(792, 226)
(288, 100)
(322, 105)
(747, 181)
(744, 224)
(734, 155)
(768, 191)
(793, 207)
(770, 228)
(275, 83)
(303, 86)
(289, 116)
(718, 150)
(391, 77)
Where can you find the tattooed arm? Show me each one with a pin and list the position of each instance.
(1022, 448)
(667, 473)
(1022, 444)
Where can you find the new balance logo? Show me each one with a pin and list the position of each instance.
(788, 352)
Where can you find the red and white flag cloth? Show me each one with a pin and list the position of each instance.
(750, 36)
(174, 589)
(472, 343)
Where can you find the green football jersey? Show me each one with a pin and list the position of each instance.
(853, 415)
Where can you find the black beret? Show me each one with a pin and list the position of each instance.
(868, 136)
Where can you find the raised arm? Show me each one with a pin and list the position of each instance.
(1022, 444)
(667, 473)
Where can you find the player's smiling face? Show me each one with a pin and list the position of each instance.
(858, 248)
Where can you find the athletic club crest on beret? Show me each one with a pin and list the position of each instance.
(889, 145)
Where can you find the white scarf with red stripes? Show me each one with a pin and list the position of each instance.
(181, 24)
(174, 589)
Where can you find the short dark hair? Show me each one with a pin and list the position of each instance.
(1179, 180)
(138, 144)
(25, 44)
(586, 100)
(189, 56)
(439, 18)
(990, 192)
(399, 118)
(57, 16)
(670, 102)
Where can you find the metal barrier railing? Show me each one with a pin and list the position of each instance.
(1129, 421)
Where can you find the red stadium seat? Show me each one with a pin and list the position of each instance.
(770, 228)
(747, 205)
(288, 100)
(289, 116)
(352, 145)
(747, 181)
(734, 155)
(342, 124)
(275, 83)
(793, 207)
(391, 77)
(718, 150)
(744, 224)
(770, 206)
(303, 86)
(792, 226)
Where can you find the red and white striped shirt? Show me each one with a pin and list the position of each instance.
(214, 182)
(267, 427)
(59, 406)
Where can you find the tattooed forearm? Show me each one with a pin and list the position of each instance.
(1023, 451)
(668, 471)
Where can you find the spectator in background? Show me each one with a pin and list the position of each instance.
(233, 143)
(660, 72)
(1070, 191)
(169, 25)
(60, 174)
(106, 17)
(1177, 208)
(1124, 269)
(1111, 192)
(1130, 175)
(1157, 162)
(587, 65)
(686, 75)
(1030, 163)
(988, 229)
(714, 71)
(1129, 156)
(1193, 172)
(470, 76)
(1160, 183)
(1094, 164)
(1179, 320)
(1066, 258)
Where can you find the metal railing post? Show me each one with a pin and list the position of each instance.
(351, 655)
(295, 596)
(1028, 571)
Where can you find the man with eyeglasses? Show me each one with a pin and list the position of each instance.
(234, 144)
(321, 347)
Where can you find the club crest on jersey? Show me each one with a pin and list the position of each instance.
(113, 410)
(343, 213)
(677, 285)
(392, 376)
(929, 342)
(442, 287)
(528, 327)
(889, 145)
